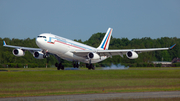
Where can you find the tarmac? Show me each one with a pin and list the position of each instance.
(91, 97)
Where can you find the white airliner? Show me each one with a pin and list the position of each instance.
(76, 52)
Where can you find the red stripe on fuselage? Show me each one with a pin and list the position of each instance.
(66, 44)
(107, 40)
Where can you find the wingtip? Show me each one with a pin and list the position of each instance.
(4, 43)
(172, 46)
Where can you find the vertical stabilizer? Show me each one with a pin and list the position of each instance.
(106, 40)
(4, 43)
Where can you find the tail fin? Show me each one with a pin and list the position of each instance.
(106, 40)
(4, 43)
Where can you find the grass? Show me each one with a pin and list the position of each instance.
(49, 81)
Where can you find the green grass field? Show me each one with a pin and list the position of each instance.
(49, 81)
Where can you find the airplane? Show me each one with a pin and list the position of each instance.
(63, 48)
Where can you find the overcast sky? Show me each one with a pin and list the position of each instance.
(79, 19)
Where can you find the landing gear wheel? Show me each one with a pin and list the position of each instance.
(90, 66)
(56, 64)
(93, 68)
(59, 66)
(87, 65)
(75, 65)
(62, 67)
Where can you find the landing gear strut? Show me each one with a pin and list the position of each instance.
(75, 65)
(90, 66)
(59, 65)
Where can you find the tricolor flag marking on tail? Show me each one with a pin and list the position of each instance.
(172, 46)
(106, 40)
(4, 43)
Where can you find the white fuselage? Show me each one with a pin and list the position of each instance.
(63, 47)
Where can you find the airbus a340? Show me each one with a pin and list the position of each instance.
(76, 52)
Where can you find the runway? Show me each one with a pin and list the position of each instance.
(91, 97)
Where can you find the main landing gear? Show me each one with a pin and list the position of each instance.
(75, 65)
(90, 66)
(59, 66)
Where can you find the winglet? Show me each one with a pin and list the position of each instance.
(4, 43)
(172, 46)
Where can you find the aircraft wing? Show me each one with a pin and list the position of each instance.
(110, 53)
(23, 48)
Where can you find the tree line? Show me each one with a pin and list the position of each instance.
(144, 59)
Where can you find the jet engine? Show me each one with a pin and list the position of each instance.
(18, 52)
(132, 55)
(38, 55)
(93, 56)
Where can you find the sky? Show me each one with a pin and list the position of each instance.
(79, 19)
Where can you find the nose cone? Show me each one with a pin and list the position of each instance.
(39, 42)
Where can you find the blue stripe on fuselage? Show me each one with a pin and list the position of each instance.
(68, 42)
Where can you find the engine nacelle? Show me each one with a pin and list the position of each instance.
(18, 52)
(132, 55)
(38, 55)
(93, 56)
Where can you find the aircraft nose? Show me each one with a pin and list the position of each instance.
(38, 41)
(41, 40)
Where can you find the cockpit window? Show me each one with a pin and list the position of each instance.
(41, 37)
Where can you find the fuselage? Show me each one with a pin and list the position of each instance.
(63, 47)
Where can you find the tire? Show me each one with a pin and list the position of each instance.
(77, 65)
(93, 68)
(62, 67)
(58, 68)
(89, 68)
(87, 65)
(56, 64)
